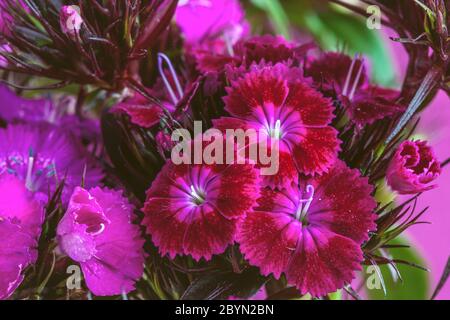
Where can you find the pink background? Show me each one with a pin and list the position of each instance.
(433, 241)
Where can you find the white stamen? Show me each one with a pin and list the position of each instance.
(161, 59)
(196, 196)
(304, 204)
(276, 133)
(29, 178)
(228, 43)
(349, 76)
(355, 84)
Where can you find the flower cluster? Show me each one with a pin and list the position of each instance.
(87, 175)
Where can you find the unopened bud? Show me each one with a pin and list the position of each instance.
(71, 20)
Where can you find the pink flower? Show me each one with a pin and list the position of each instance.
(43, 155)
(21, 218)
(71, 21)
(202, 19)
(194, 209)
(211, 28)
(313, 233)
(276, 101)
(97, 231)
(341, 77)
(412, 168)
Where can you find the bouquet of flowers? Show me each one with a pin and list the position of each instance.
(202, 149)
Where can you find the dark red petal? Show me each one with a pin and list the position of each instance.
(255, 90)
(287, 172)
(317, 150)
(272, 200)
(238, 190)
(267, 48)
(330, 71)
(343, 203)
(144, 116)
(374, 103)
(323, 262)
(208, 233)
(314, 108)
(212, 62)
(225, 123)
(166, 226)
(268, 240)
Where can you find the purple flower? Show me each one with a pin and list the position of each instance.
(21, 218)
(14, 107)
(97, 232)
(412, 168)
(43, 155)
(19, 109)
(71, 21)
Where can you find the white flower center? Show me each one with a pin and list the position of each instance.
(304, 204)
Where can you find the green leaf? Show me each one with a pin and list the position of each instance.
(334, 29)
(277, 15)
(415, 284)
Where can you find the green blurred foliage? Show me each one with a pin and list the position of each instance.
(332, 27)
(414, 283)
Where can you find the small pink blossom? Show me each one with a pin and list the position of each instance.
(97, 231)
(413, 167)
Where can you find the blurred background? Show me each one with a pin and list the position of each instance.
(338, 29)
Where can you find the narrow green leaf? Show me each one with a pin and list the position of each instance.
(414, 283)
(277, 15)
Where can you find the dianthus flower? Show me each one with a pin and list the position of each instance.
(413, 167)
(311, 233)
(97, 232)
(194, 209)
(275, 102)
(42, 156)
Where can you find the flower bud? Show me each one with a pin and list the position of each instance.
(412, 168)
(71, 21)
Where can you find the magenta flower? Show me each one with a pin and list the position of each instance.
(274, 100)
(21, 218)
(202, 19)
(211, 28)
(413, 167)
(71, 21)
(42, 155)
(194, 209)
(16, 108)
(313, 233)
(339, 76)
(97, 232)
